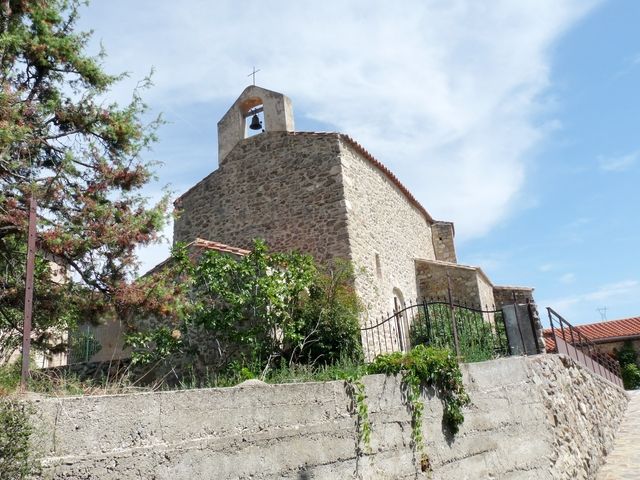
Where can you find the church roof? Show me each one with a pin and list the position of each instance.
(388, 173)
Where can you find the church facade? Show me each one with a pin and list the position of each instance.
(324, 194)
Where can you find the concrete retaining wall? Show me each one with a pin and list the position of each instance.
(540, 417)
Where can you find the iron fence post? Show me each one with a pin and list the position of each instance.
(601, 363)
(453, 318)
(396, 313)
(515, 310)
(427, 320)
(553, 329)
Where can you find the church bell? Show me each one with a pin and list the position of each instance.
(255, 124)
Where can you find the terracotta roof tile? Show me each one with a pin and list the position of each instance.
(602, 331)
(219, 247)
(201, 243)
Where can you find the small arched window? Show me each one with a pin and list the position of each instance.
(398, 300)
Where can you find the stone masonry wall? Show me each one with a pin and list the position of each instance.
(443, 242)
(382, 223)
(504, 295)
(613, 347)
(283, 187)
(465, 287)
(583, 414)
(485, 291)
(541, 417)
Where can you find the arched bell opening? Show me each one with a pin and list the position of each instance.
(253, 113)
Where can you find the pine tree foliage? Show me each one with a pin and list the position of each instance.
(80, 156)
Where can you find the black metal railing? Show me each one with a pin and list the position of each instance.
(575, 344)
(473, 333)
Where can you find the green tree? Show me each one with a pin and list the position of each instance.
(257, 311)
(81, 158)
(249, 304)
(330, 318)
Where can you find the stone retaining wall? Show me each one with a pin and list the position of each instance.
(541, 417)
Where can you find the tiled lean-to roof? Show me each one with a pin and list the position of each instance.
(218, 247)
(202, 244)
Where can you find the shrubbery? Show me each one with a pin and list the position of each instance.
(628, 359)
(252, 314)
(427, 367)
(16, 461)
(631, 376)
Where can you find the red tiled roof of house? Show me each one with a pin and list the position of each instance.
(549, 341)
(601, 332)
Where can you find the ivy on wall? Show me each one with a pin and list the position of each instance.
(420, 367)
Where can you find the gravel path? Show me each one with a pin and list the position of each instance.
(624, 461)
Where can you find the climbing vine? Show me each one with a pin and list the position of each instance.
(430, 367)
(355, 389)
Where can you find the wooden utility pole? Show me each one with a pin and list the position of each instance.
(28, 293)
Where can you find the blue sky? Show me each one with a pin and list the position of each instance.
(517, 120)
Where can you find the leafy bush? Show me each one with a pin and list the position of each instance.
(631, 376)
(627, 354)
(254, 312)
(9, 377)
(330, 318)
(628, 358)
(16, 462)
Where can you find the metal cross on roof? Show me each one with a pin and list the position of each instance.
(253, 74)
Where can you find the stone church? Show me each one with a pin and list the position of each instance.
(324, 194)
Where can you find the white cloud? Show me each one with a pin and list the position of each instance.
(605, 292)
(620, 163)
(446, 93)
(629, 64)
(567, 278)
